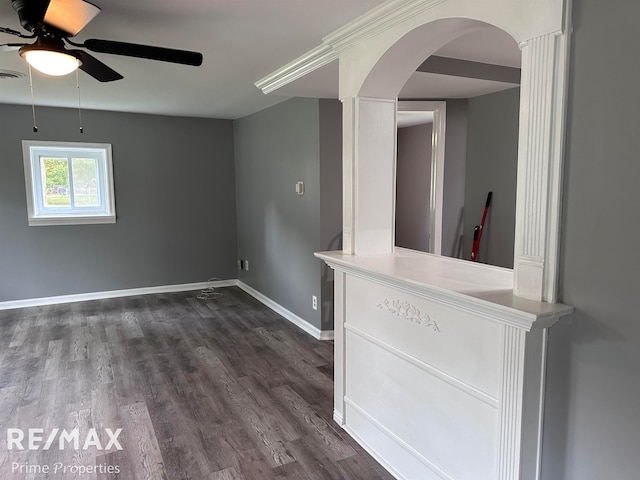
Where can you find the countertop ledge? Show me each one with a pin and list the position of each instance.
(480, 288)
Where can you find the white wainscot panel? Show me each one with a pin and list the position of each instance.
(422, 413)
(456, 344)
(440, 369)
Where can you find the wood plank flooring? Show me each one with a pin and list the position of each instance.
(219, 389)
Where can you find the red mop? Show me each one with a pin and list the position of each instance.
(477, 230)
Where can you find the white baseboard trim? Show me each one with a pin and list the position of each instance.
(326, 335)
(82, 297)
(289, 315)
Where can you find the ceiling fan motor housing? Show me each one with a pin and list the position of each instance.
(30, 12)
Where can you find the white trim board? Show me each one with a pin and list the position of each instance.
(289, 315)
(82, 297)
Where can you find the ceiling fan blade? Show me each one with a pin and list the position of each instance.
(70, 16)
(184, 57)
(9, 47)
(11, 31)
(94, 67)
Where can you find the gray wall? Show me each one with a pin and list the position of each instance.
(174, 200)
(592, 429)
(492, 161)
(278, 230)
(413, 186)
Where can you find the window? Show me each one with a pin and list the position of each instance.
(68, 183)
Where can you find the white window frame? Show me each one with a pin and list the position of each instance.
(38, 213)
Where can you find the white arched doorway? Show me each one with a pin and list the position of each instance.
(371, 75)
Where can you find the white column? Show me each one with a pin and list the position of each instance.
(540, 158)
(369, 152)
(339, 347)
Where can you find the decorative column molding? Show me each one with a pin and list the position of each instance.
(348, 174)
(511, 395)
(540, 158)
(369, 152)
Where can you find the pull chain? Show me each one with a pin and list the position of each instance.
(79, 105)
(33, 103)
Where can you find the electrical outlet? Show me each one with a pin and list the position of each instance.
(314, 302)
(240, 265)
(246, 265)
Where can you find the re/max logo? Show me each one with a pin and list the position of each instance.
(36, 440)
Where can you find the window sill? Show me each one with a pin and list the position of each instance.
(67, 220)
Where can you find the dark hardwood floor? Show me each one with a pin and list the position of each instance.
(221, 389)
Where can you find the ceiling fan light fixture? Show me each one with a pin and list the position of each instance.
(50, 61)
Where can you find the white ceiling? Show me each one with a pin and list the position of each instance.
(241, 40)
(411, 118)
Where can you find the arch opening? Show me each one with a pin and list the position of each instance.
(470, 88)
(391, 70)
(371, 76)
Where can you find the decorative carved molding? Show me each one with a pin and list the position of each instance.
(406, 310)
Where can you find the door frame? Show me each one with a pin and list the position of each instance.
(438, 136)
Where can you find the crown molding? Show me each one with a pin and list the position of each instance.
(312, 60)
(377, 21)
(372, 23)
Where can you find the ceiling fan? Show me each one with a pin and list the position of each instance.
(52, 23)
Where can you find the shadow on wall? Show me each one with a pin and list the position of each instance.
(326, 285)
(565, 341)
(457, 247)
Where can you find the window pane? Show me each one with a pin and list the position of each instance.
(85, 182)
(55, 182)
